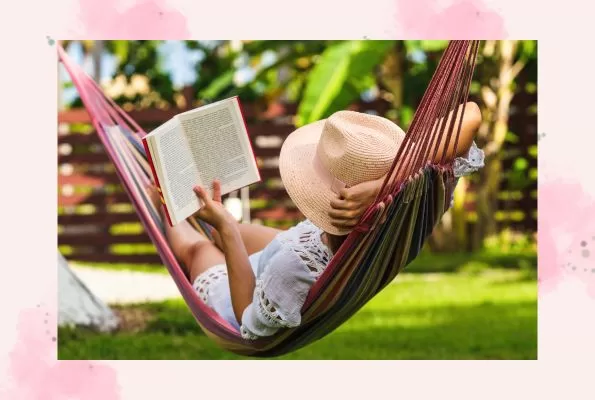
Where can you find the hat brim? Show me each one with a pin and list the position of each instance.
(303, 184)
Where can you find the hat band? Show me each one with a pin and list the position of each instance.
(326, 177)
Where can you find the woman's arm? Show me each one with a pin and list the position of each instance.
(241, 276)
(469, 126)
(352, 202)
(239, 271)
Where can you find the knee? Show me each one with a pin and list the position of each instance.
(193, 250)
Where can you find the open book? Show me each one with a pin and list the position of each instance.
(196, 147)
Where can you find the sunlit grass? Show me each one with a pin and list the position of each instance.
(489, 314)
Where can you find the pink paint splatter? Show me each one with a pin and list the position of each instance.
(466, 19)
(566, 234)
(35, 373)
(149, 19)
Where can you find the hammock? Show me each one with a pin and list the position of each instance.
(390, 234)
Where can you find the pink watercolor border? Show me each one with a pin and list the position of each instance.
(566, 212)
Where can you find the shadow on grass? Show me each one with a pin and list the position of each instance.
(481, 331)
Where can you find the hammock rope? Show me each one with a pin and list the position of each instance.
(413, 198)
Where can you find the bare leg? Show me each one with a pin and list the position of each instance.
(255, 237)
(196, 251)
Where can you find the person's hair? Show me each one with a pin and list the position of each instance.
(335, 241)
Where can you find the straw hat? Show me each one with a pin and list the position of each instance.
(319, 159)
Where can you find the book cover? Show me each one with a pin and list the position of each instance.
(156, 179)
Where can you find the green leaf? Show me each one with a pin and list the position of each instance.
(528, 49)
(294, 87)
(217, 86)
(363, 83)
(406, 115)
(412, 45)
(520, 164)
(511, 137)
(531, 87)
(121, 49)
(475, 87)
(328, 89)
(433, 45)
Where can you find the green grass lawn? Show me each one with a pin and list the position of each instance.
(476, 313)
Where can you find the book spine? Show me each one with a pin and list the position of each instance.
(237, 98)
(150, 159)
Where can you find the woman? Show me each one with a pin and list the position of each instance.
(257, 278)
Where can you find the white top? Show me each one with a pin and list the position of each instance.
(287, 268)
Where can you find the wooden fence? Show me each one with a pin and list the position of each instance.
(97, 223)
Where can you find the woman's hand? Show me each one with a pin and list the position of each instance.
(212, 210)
(352, 202)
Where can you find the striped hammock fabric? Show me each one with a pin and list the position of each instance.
(389, 236)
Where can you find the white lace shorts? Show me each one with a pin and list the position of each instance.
(212, 286)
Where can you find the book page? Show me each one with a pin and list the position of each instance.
(220, 146)
(175, 164)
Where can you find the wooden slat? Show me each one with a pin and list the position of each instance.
(117, 258)
(104, 198)
(269, 173)
(100, 239)
(113, 218)
(267, 152)
(263, 128)
(79, 139)
(82, 180)
(268, 194)
(94, 199)
(74, 200)
(279, 213)
(87, 158)
(269, 129)
(89, 179)
(250, 111)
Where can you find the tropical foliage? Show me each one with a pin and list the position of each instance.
(325, 76)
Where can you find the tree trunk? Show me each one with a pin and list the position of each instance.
(451, 234)
(391, 76)
(497, 97)
(96, 56)
(77, 306)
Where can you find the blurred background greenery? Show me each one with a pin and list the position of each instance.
(472, 291)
